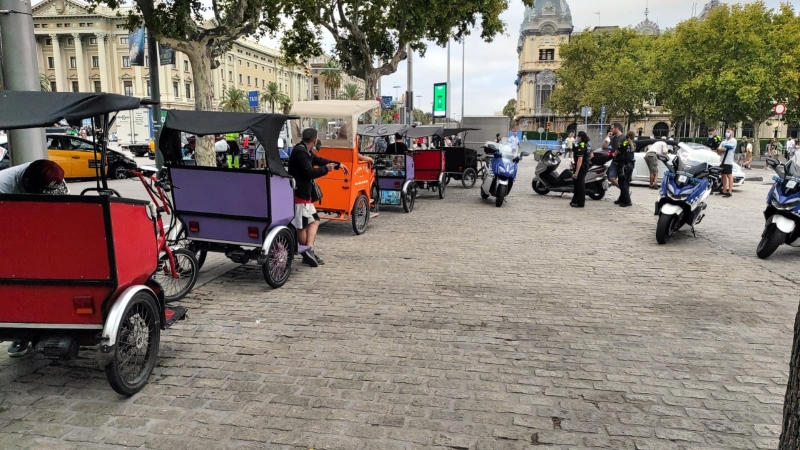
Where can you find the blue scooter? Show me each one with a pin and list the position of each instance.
(783, 209)
(503, 162)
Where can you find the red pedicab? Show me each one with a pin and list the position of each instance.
(77, 272)
(429, 163)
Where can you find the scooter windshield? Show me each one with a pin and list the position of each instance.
(792, 169)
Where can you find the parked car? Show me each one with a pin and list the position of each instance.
(689, 151)
(76, 156)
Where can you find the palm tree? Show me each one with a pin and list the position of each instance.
(285, 103)
(234, 100)
(271, 94)
(44, 83)
(351, 91)
(332, 73)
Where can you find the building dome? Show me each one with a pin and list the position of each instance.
(648, 27)
(709, 6)
(546, 17)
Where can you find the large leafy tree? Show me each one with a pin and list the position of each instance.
(204, 31)
(510, 109)
(272, 94)
(372, 36)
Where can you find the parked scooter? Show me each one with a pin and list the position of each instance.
(684, 191)
(783, 209)
(499, 180)
(548, 179)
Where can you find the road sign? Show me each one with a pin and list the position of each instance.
(602, 113)
(540, 130)
(253, 96)
(779, 109)
(440, 100)
(586, 111)
(386, 102)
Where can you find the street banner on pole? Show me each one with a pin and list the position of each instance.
(136, 47)
(166, 55)
(386, 102)
(440, 100)
(253, 96)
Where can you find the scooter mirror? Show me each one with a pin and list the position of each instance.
(525, 154)
(772, 162)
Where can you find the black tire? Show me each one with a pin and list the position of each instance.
(119, 172)
(468, 178)
(375, 195)
(280, 255)
(539, 187)
(599, 193)
(484, 195)
(142, 315)
(500, 196)
(442, 187)
(773, 239)
(666, 227)
(183, 242)
(187, 268)
(409, 197)
(360, 215)
(447, 179)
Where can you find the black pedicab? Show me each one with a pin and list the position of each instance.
(394, 173)
(462, 163)
(77, 270)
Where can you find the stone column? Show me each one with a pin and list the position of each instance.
(60, 82)
(82, 79)
(101, 52)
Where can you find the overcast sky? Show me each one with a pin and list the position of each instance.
(491, 68)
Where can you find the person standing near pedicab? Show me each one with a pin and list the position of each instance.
(581, 163)
(305, 167)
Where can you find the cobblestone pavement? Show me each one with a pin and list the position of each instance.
(460, 326)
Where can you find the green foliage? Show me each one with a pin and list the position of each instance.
(425, 118)
(272, 94)
(351, 91)
(331, 73)
(510, 109)
(235, 100)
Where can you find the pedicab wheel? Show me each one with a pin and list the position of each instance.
(186, 266)
(409, 197)
(136, 350)
(447, 179)
(540, 188)
(442, 187)
(484, 195)
(183, 242)
(501, 195)
(468, 178)
(360, 214)
(279, 260)
(375, 194)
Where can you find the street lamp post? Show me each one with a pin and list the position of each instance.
(396, 93)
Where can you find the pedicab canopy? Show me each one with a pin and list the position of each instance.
(425, 131)
(454, 131)
(266, 127)
(34, 109)
(381, 130)
(334, 120)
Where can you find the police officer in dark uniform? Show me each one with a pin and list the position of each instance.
(713, 140)
(624, 150)
(580, 159)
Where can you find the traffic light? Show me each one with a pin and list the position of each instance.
(308, 71)
(548, 126)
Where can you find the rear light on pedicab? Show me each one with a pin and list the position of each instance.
(397, 184)
(252, 232)
(83, 305)
(194, 227)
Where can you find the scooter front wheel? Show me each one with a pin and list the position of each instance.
(501, 195)
(598, 194)
(773, 238)
(540, 188)
(666, 227)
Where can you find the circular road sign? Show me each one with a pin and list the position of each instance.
(779, 109)
(540, 130)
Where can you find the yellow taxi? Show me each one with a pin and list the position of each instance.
(76, 156)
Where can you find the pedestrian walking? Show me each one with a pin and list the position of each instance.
(625, 161)
(729, 146)
(651, 159)
(748, 151)
(580, 168)
(570, 142)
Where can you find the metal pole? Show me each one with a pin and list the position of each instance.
(155, 94)
(463, 58)
(447, 100)
(20, 73)
(410, 88)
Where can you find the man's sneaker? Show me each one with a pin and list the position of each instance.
(309, 259)
(18, 349)
(317, 258)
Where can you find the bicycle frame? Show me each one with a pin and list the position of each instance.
(161, 205)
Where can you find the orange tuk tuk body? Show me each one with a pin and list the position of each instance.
(352, 197)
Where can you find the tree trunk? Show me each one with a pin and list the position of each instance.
(790, 434)
(199, 55)
(756, 139)
(371, 80)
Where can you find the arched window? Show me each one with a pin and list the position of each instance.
(794, 131)
(701, 130)
(748, 130)
(660, 130)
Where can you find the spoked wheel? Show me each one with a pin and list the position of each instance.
(186, 266)
(501, 195)
(667, 225)
(360, 214)
(468, 178)
(136, 351)
(120, 172)
(375, 194)
(183, 242)
(279, 259)
(409, 197)
(540, 188)
(773, 238)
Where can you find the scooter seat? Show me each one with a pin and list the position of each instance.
(715, 170)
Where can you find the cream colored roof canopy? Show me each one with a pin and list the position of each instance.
(333, 108)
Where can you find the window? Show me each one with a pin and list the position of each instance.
(186, 66)
(248, 64)
(280, 87)
(240, 62)
(88, 24)
(262, 68)
(36, 25)
(58, 25)
(67, 25)
(48, 41)
(126, 61)
(95, 62)
(270, 70)
(81, 24)
(263, 83)
(230, 58)
(80, 144)
(97, 86)
(255, 66)
(123, 40)
(44, 25)
(51, 62)
(188, 90)
(147, 93)
(53, 86)
(256, 81)
(70, 41)
(175, 92)
(75, 87)
(316, 81)
(248, 80)
(230, 76)
(240, 78)
(93, 41)
(547, 54)
(73, 63)
(128, 88)
(146, 61)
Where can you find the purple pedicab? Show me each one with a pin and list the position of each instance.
(245, 214)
